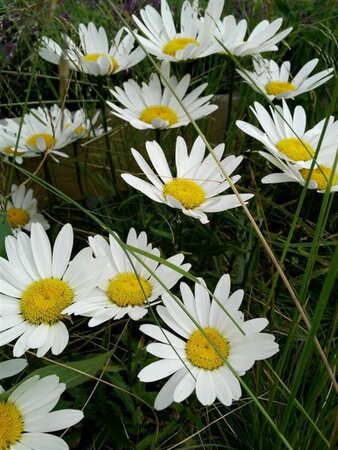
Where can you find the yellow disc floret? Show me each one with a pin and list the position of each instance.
(201, 353)
(95, 56)
(279, 87)
(173, 46)
(17, 217)
(44, 300)
(11, 425)
(12, 152)
(164, 113)
(187, 192)
(295, 149)
(321, 176)
(49, 139)
(127, 289)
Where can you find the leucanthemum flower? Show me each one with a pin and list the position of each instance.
(198, 182)
(37, 284)
(195, 38)
(189, 356)
(22, 209)
(43, 130)
(273, 80)
(263, 38)
(126, 286)
(26, 417)
(154, 106)
(319, 179)
(9, 369)
(94, 56)
(284, 134)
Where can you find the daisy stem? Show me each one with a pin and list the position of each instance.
(105, 127)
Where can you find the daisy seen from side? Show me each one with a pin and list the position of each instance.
(37, 283)
(231, 36)
(94, 56)
(198, 182)
(208, 343)
(22, 209)
(284, 134)
(127, 286)
(154, 106)
(26, 416)
(194, 38)
(276, 82)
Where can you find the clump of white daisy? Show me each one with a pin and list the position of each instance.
(231, 36)
(284, 135)
(26, 416)
(210, 343)
(198, 183)
(194, 38)
(276, 82)
(37, 283)
(10, 368)
(22, 209)
(94, 56)
(154, 106)
(127, 286)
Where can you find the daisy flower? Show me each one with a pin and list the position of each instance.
(26, 417)
(94, 56)
(273, 80)
(22, 209)
(37, 284)
(154, 106)
(43, 130)
(198, 182)
(321, 175)
(189, 356)
(8, 144)
(10, 368)
(193, 40)
(126, 285)
(284, 134)
(263, 38)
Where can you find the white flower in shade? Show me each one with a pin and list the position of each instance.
(284, 135)
(94, 56)
(22, 209)
(263, 38)
(195, 38)
(10, 368)
(154, 106)
(37, 284)
(43, 130)
(26, 417)
(127, 286)
(212, 341)
(8, 144)
(274, 81)
(321, 176)
(198, 182)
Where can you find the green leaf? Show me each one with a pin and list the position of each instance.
(5, 230)
(73, 373)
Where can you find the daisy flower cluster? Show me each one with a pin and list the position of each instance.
(201, 339)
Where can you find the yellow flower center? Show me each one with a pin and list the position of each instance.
(200, 351)
(95, 56)
(50, 140)
(187, 192)
(126, 289)
(295, 149)
(11, 151)
(17, 217)
(173, 46)
(279, 87)
(321, 175)
(11, 425)
(44, 300)
(81, 129)
(164, 113)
